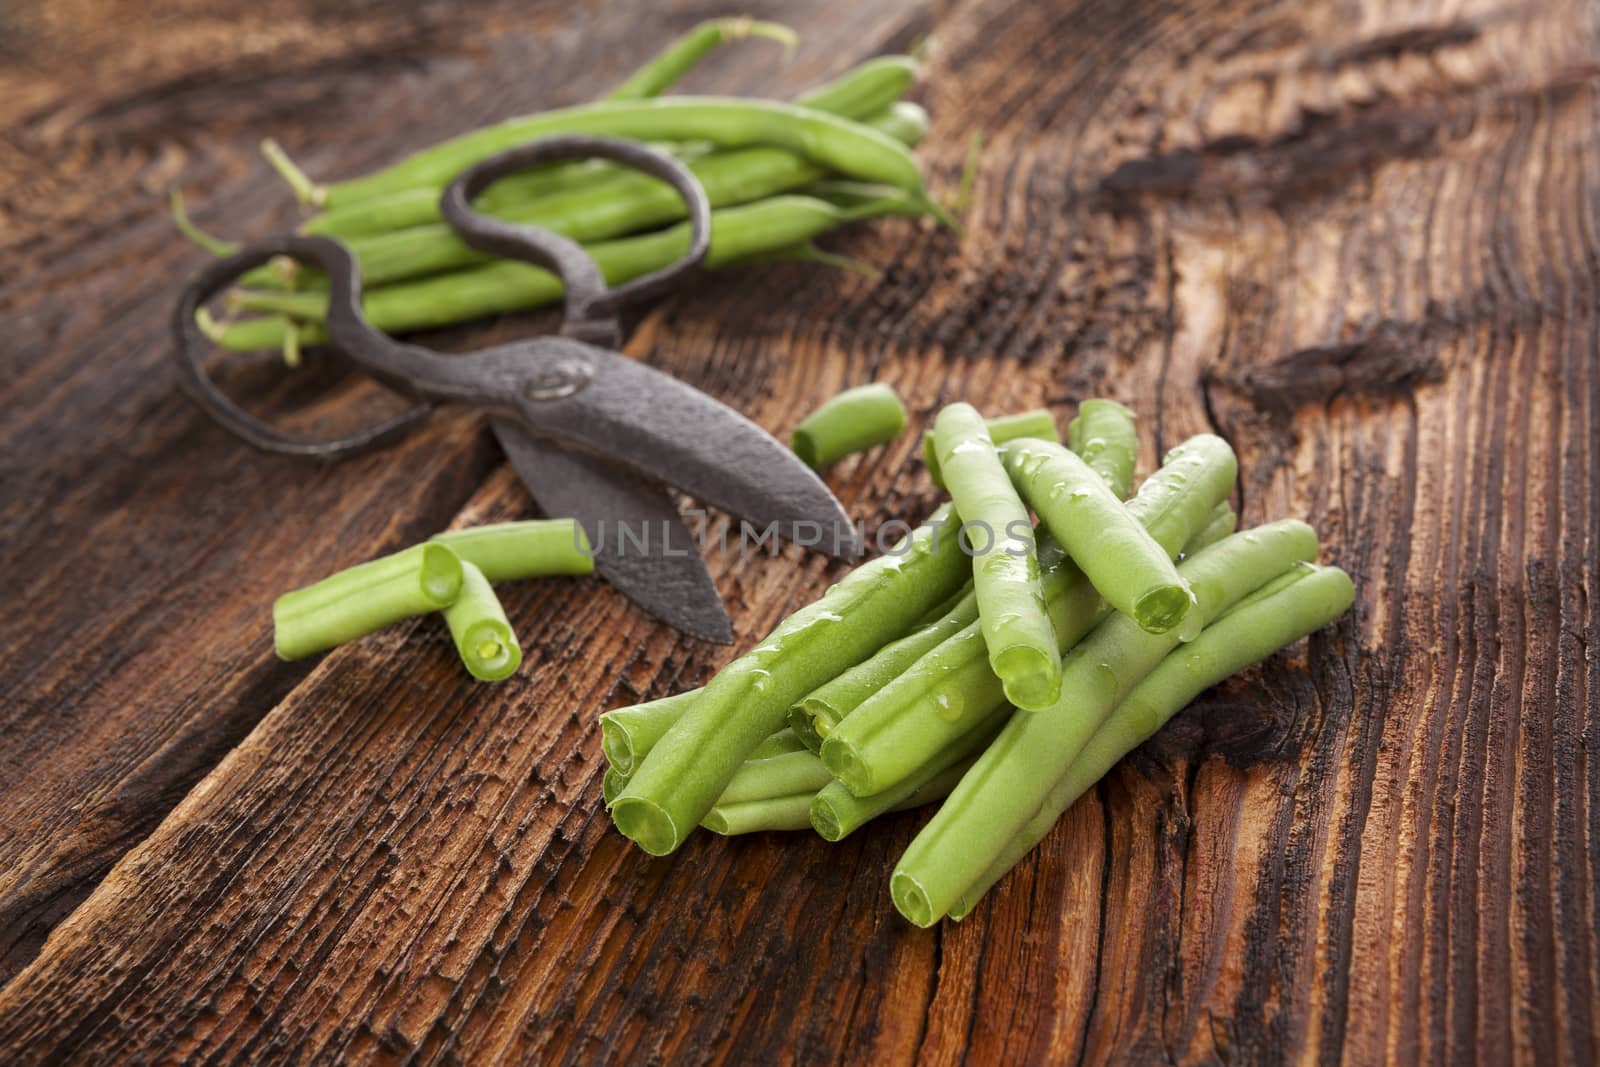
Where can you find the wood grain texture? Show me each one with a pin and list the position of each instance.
(1360, 241)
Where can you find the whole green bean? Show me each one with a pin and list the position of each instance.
(482, 634)
(736, 233)
(1014, 776)
(1035, 423)
(684, 774)
(626, 734)
(836, 812)
(861, 93)
(851, 421)
(835, 143)
(1102, 432)
(679, 57)
(952, 687)
(509, 551)
(632, 202)
(365, 598)
(815, 715)
(1257, 627)
(1011, 608)
(1123, 562)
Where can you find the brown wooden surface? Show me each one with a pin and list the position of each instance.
(1360, 240)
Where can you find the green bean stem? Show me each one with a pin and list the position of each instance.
(679, 57)
(1035, 423)
(851, 421)
(861, 93)
(1013, 778)
(1005, 571)
(626, 734)
(736, 233)
(1124, 563)
(1253, 630)
(1102, 432)
(365, 598)
(684, 774)
(509, 551)
(836, 812)
(630, 203)
(952, 688)
(815, 715)
(478, 624)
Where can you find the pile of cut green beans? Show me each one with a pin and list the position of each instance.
(778, 175)
(451, 574)
(991, 666)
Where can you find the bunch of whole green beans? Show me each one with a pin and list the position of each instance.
(886, 693)
(777, 175)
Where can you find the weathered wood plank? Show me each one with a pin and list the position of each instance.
(1363, 245)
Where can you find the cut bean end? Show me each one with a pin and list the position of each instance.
(646, 824)
(844, 764)
(616, 745)
(441, 574)
(1030, 679)
(492, 652)
(910, 900)
(1162, 609)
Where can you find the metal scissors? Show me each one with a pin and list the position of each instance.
(590, 431)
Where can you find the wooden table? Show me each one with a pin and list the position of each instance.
(1360, 240)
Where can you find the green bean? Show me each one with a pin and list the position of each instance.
(483, 636)
(681, 55)
(736, 233)
(770, 813)
(1221, 524)
(815, 715)
(1303, 601)
(781, 743)
(684, 774)
(1126, 565)
(836, 812)
(626, 734)
(1101, 433)
(536, 548)
(633, 202)
(1015, 774)
(835, 143)
(365, 598)
(775, 776)
(1035, 423)
(952, 688)
(852, 421)
(861, 93)
(1011, 608)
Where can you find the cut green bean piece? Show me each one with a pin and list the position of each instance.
(365, 598)
(1005, 570)
(1221, 524)
(816, 714)
(611, 785)
(1125, 564)
(771, 813)
(836, 812)
(482, 633)
(1102, 434)
(509, 551)
(1037, 422)
(852, 421)
(626, 734)
(778, 744)
(952, 687)
(1302, 601)
(679, 57)
(1013, 778)
(782, 743)
(684, 774)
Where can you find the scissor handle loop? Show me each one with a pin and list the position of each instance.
(591, 306)
(347, 329)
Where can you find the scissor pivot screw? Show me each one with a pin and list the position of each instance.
(562, 379)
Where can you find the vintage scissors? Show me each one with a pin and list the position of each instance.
(590, 431)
